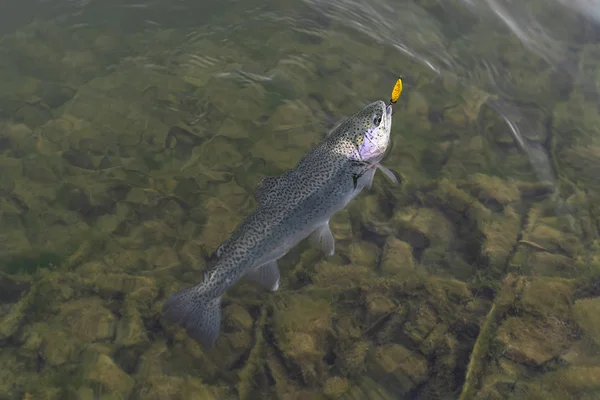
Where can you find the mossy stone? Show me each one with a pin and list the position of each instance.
(363, 253)
(341, 225)
(372, 214)
(220, 222)
(500, 233)
(378, 305)
(397, 257)
(423, 227)
(352, 356)
(535, 299)
(335, 387)
(587, 315)
(54, 94)
(237, 318)
(58, 347)
(130, 329)
(302, 325)
(401, 367)
(102, 372)
(330, 275)
(533, 341)
(494, 190)
(88, 319)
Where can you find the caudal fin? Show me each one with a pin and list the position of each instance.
(199, 314)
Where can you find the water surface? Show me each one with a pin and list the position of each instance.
(132, 137)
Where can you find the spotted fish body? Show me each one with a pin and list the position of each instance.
(290, 208)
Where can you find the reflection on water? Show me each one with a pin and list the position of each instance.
(132, 137)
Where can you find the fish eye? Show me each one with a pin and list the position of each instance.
(377, 120)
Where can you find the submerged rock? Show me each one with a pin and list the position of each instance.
(500, 233)
(548, 246)
(12, 376)
(378, 305)
(341, 226)
(101, 371)
(420, 323)
(352, 354)
(530, 336)
(302, 326)
(237, 331)
(14, 318)
(57, 347)
(398, 368)
(232, 129)
(220, 222)
(130, 329)
(372, 211)
(536, 301)
(53, 94)
(492, 190)
(363, 253)
(336, 276)
(423, 227)
(88, 319)
(580, 382)
(440, 260)
(291, 115)
(218, 153)
(12, 288)
(237, 318)
(139, 290)
(397, 257)
(245, 104)
(581, 353)
(533, 341)
(74, 198)
(587, 315)
(335, 387)
(176, 387)
(552, 239)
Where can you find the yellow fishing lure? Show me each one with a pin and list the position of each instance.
(396, 91)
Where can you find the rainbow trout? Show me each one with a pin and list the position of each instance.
(290, 208)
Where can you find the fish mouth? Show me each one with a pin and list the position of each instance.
(388, 112)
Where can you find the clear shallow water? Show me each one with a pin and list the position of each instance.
(133, 136)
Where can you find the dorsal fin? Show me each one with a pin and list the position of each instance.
(264, 187)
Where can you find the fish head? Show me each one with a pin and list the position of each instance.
(368, 133)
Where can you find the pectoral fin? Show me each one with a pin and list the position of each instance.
(368, 178)
(322, 237)
(266, 275)
(388, 174)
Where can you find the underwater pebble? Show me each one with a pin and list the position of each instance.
(335, 387)
(363, 253)
(57, 347)
(587, 315)
(397, 257)
(401, 368)
(102, 370)
(88, 319)
(533, 341)
(131, 330)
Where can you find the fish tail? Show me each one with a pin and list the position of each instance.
(196, 311)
